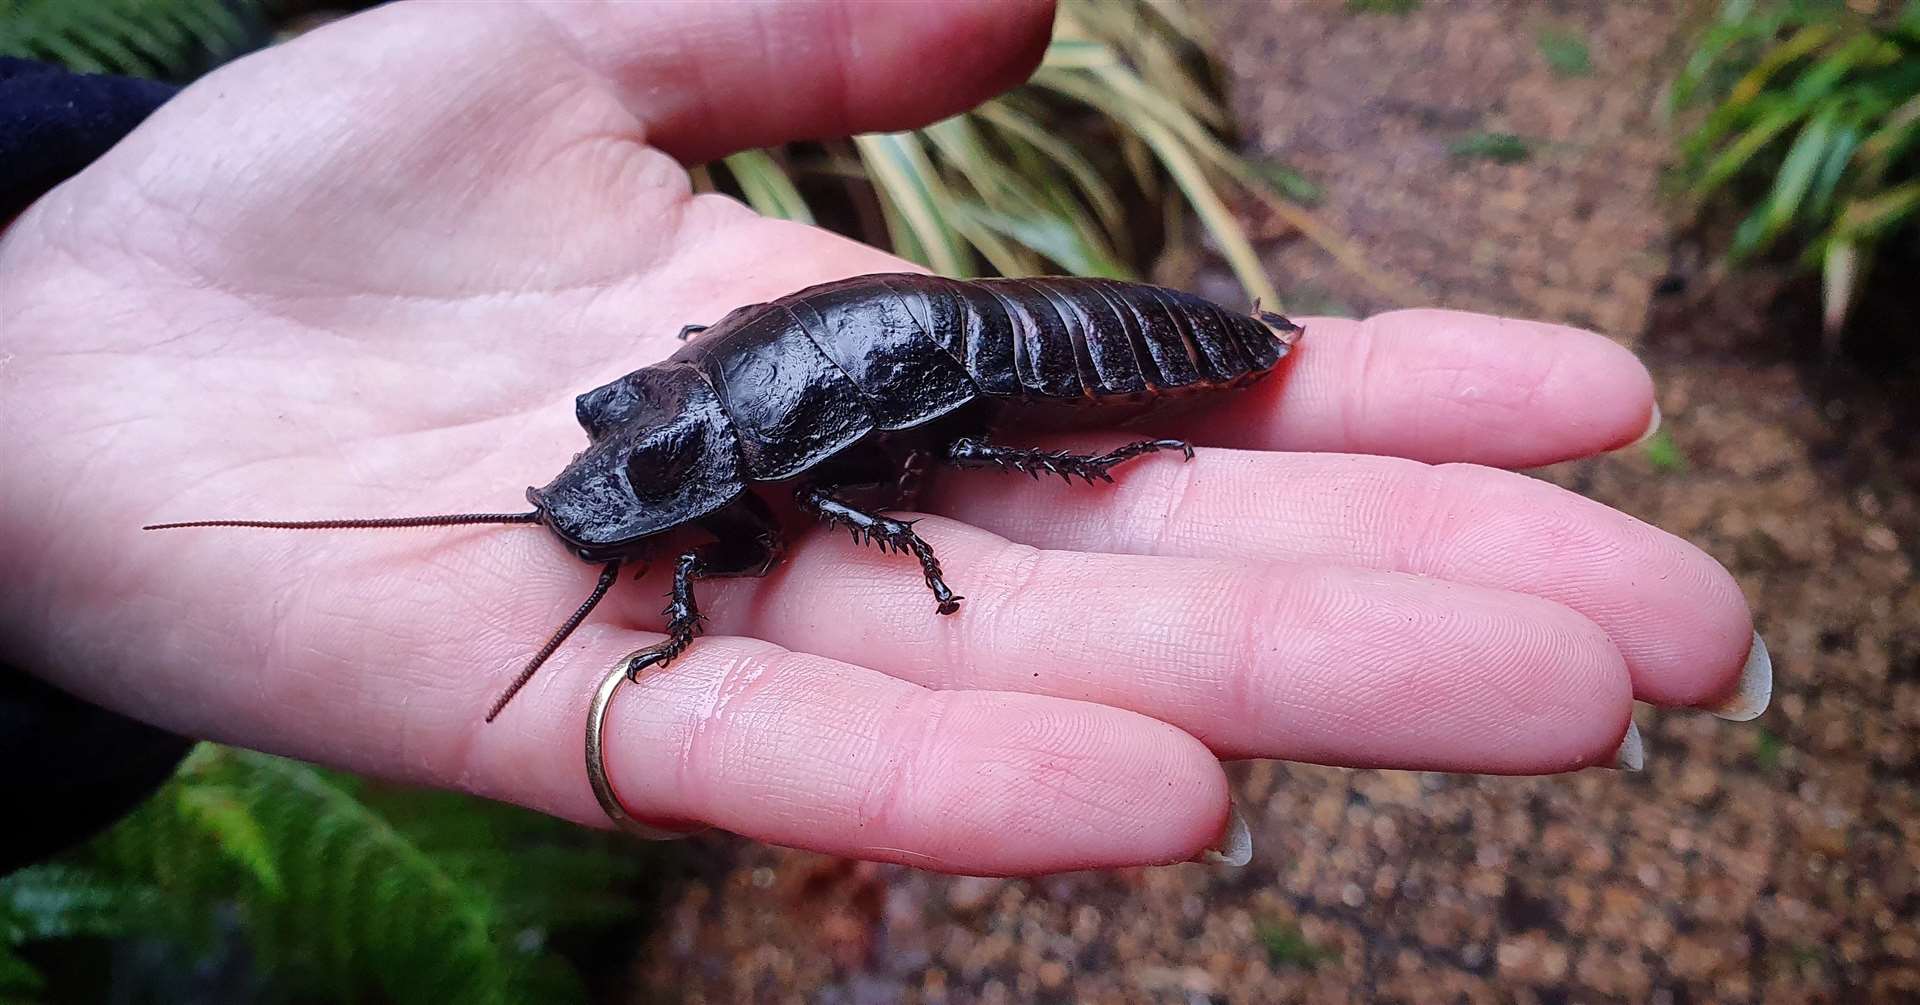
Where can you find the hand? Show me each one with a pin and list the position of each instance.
(365, 273)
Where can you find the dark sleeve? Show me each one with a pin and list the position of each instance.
(53, 123)
(67, 768)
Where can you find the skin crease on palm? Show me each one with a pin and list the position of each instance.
(365, 273)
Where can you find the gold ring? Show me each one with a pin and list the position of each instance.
(597, 758)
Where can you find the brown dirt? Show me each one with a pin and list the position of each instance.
(1771, 861)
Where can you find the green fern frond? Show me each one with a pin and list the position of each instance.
(450, 899)
(142, 38)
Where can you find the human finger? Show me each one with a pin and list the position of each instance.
(1675, 614)
(1258, 659)
(1441, 386)
(805, 751)
(707, 79)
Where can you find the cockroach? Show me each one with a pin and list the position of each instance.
(844, 394)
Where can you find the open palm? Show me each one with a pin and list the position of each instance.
(365, 273)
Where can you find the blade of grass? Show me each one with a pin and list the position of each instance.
(1737, 154)
(1826, 181)
(1736, 22)
(767, 187)
(1050, 237)
(901, 238)
(1191, 177)
(1791, 183)
(1119, 102)
(996, 184)
(1165, 67)
(1031, 187)
(1869, 218)
(1087, 178)
(1839, 273)
(1802, 43)
(900, 170)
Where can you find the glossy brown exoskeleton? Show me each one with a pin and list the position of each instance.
(842, 394)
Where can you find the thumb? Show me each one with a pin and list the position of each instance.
(706, 79)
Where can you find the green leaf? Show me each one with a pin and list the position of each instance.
(992, 180)
(1287, 946)
(1739, 153)
(1289, 182)
(1897, 133)
(141, 37)
(1871, 218)
(1839, 279)
(766, 186)
(909, 184)
(1767, 750)
(1566, 52)
(1736, 23)
(1502, 148)
(333, 897)
(1802, 43)
(1833, 167)
(1098, 193)
(1173, 152)
(1397, 8)
(1051, 237)
(233, 829)
(1790, 185)
(17, 977)
(62, 901)
(1663, 453)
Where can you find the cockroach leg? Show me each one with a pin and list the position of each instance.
(747, 542)
(888, 533)
(690, 331)
(967, 452)
(683, 618)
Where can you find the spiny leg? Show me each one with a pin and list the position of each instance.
(747, 543)
(683, 617)
(884, 531)
(967, 452)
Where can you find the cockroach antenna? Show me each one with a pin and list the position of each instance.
(442, 520)
(377, 523)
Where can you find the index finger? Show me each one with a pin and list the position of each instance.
(1440, 386)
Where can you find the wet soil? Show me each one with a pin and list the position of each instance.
(1772, 861)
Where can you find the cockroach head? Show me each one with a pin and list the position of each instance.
(661, 454)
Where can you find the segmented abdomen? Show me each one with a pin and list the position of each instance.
(806, 376)
(1061, 338)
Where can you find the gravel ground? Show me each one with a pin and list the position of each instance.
(1774, 861)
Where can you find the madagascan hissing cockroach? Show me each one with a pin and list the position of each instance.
(844, 393)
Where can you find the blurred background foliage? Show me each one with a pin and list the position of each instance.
(254, 878)
(1809, 130)
(1091, 168)
(166, 39)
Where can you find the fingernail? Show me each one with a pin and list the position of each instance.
(1653, 426)
(1755, 689)
(1632, 755)
(1234, 847)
